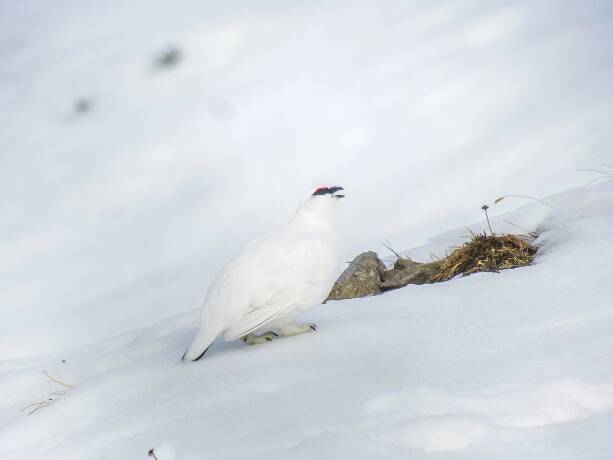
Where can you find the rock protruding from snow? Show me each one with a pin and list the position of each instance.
(168, 58)
(407, 271)
(367, 275)
(360, 279)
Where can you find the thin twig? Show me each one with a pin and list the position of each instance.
(390, 248)
(41, 405)
(498, 200)
(33, 404)
(521, 228)
(485, 208)
(56, 381)
(52, 396)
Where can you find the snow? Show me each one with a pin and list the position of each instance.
(115, 220)
(506, 366)
(119, 217)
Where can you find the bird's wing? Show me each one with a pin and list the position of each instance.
(254, 320)
(274, 275)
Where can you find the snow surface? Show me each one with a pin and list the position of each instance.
(491, 366)
(119, 217)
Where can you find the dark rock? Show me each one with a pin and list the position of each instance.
(83, 105)
(367, 275)
(360, 279)
(168, 58)
(407, 271)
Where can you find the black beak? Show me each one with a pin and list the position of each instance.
(333, 190)
(329, 191)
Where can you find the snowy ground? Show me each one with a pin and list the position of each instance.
(505, 366)
(118, 217)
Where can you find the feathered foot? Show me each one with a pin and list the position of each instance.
(295, 329)
(253, 339)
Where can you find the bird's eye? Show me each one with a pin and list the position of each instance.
(320, 191)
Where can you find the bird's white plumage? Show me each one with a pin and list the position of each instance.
(274, 278)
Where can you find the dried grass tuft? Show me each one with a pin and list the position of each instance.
(487, 253)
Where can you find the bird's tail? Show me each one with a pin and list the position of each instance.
(199, 346)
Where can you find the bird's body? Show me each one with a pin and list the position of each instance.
(275, 278)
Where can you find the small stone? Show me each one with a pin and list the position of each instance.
(407, 271)
(360, 279)
(82, 105)
(168, 58)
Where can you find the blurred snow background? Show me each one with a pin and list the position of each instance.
(114, 217)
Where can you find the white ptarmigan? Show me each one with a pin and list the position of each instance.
(274, 279)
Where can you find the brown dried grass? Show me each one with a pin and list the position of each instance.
(487, 253)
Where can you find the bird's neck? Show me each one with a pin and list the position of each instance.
(315, 222)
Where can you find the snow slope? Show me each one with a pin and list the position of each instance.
(121, 216)
(492, 366)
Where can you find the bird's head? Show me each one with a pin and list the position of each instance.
(321, 200)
